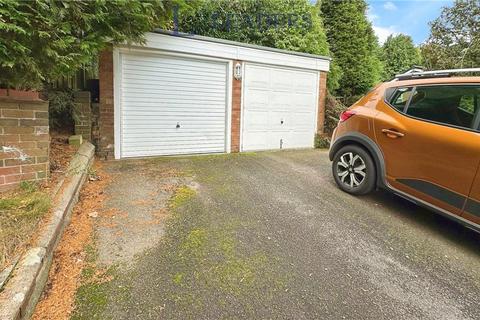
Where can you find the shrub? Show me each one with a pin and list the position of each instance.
(321, 141)
(333, 108)
(60, 109)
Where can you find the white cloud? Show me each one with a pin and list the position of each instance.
(383, 32)
(389, 5)
(372, 16)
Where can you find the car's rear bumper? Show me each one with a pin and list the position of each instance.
(332, 143)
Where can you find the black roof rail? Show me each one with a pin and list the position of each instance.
(419, 73)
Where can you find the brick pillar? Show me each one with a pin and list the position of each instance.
(322, 96)
(95, 125)
(24, 141)
(105, 147)
(236, 111)
(83, 114)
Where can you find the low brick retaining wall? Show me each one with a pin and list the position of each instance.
(24, 141)
(27, 279)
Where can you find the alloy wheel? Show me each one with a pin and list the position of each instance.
(351, 169)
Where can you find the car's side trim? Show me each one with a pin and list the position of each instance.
(367, 143)
(454, 199)
(473, 207)
(467, 223)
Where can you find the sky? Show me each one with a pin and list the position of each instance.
(410, 17)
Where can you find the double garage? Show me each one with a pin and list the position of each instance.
(188, 94)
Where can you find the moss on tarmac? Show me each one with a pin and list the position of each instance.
(268, 235)
(92, 295)
(200, 261)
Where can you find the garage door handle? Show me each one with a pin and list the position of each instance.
(391, 133)
(281, 121)
(178, 125)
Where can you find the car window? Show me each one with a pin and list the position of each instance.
(451, 105)
(400, 98)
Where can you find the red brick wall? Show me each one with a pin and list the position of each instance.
(24, 141)
(236, 111)
(105, 147)
(322, 95)
(83, 114)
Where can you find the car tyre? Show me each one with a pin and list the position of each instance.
(354, 170)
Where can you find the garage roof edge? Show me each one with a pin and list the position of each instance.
(238, 44)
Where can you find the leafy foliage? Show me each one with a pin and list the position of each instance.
(333, 108)
(285, 24)
(454, 40)
(60, 107)
(321, 141)
(399, 54)
(43, 39)
(354, 46)
(298, 28)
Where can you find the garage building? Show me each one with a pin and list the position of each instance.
(184, 94)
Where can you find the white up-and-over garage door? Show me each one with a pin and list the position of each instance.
(279, 107)
(172, 105)
(183, 94)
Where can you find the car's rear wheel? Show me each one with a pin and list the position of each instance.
(354, 170)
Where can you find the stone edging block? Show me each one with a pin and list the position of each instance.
(27, 280)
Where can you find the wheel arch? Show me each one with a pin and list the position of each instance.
(369, 145)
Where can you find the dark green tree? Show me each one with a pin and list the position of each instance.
(454, 40)
(399, 54)
(354, 46)
(43, 39)
(284, 24)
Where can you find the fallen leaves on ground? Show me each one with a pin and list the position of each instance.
(24, 210)
(61, 154)
(58, 298)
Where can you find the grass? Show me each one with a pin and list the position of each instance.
(20, 212)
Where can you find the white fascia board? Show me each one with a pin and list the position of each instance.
(187, 45)
(276, 58)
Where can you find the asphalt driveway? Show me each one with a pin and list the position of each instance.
(268, 235)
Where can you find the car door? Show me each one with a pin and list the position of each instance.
(430, 143)
(472, 207)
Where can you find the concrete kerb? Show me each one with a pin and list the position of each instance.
(27, 280)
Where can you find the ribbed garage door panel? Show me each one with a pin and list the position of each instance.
(279, 108)
(159, 92)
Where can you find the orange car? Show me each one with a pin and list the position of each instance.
(418, 136)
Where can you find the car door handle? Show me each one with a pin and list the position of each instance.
(391, 133)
